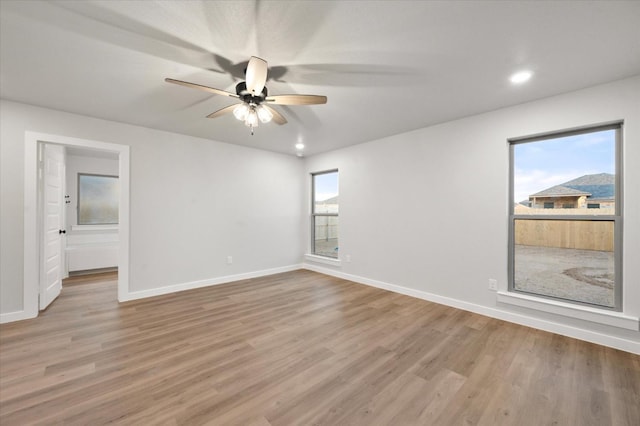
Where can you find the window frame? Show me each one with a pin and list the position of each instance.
(314, 215)
(80, 200)
(616, 217)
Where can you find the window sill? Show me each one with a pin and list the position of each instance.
(611, 318)
(322, 259)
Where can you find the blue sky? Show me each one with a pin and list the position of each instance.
(326, 186)
(543, 164)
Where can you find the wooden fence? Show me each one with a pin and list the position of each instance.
(573, 234)
(326, 227)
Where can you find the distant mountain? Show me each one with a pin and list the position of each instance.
(600, 186)
(332, 200)
(597, 179)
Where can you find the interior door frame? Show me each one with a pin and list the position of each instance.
(33, 214)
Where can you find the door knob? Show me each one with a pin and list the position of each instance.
(62, 231)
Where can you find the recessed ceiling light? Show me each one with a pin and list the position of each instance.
(520, 77)
(299, 145)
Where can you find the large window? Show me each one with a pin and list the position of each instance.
(97, 199)
(324, 213)
(565, 219)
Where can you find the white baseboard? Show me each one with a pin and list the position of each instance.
(517, 318)
(550, 326)
(205, 283)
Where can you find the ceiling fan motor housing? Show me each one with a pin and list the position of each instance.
(246, 96)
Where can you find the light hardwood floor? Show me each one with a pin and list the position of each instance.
(299, 348)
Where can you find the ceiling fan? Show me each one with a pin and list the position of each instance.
(254, 96)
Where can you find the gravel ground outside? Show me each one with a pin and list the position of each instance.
(581, 275)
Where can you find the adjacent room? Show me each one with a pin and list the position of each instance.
(319, 212)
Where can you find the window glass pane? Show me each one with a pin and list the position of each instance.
(325, 214)
(566, 175)
(567, 259)
(325, 193)
(326, 236)
(97, 199)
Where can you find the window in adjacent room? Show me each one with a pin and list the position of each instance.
(565, 223)
(97, 199)
(324, 213)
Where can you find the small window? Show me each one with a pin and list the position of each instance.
(324, 214)
(573, 255)
(97, 199)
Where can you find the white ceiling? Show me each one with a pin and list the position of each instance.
(387, 67)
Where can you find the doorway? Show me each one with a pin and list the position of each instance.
(34, 213)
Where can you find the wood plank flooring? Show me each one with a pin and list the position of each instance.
(299, 348)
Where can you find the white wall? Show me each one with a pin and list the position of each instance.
(428, 210)
(193, 203)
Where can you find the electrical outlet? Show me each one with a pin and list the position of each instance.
(347, 258)
(493, 284)
(229, 260)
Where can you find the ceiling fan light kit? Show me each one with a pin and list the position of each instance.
(251, 114)
(253, 93)
(241, 111)
(264, 114)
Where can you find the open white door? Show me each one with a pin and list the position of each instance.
(53, 225)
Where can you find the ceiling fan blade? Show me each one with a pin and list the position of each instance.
(201, 87)
(297, 99)
(256, 75)
(222, 111)
(277, 117)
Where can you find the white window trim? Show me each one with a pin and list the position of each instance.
(316, 258)
(596, 315)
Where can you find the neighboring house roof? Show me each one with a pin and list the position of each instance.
(560, 191)
(520, 208)
(599, 186)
